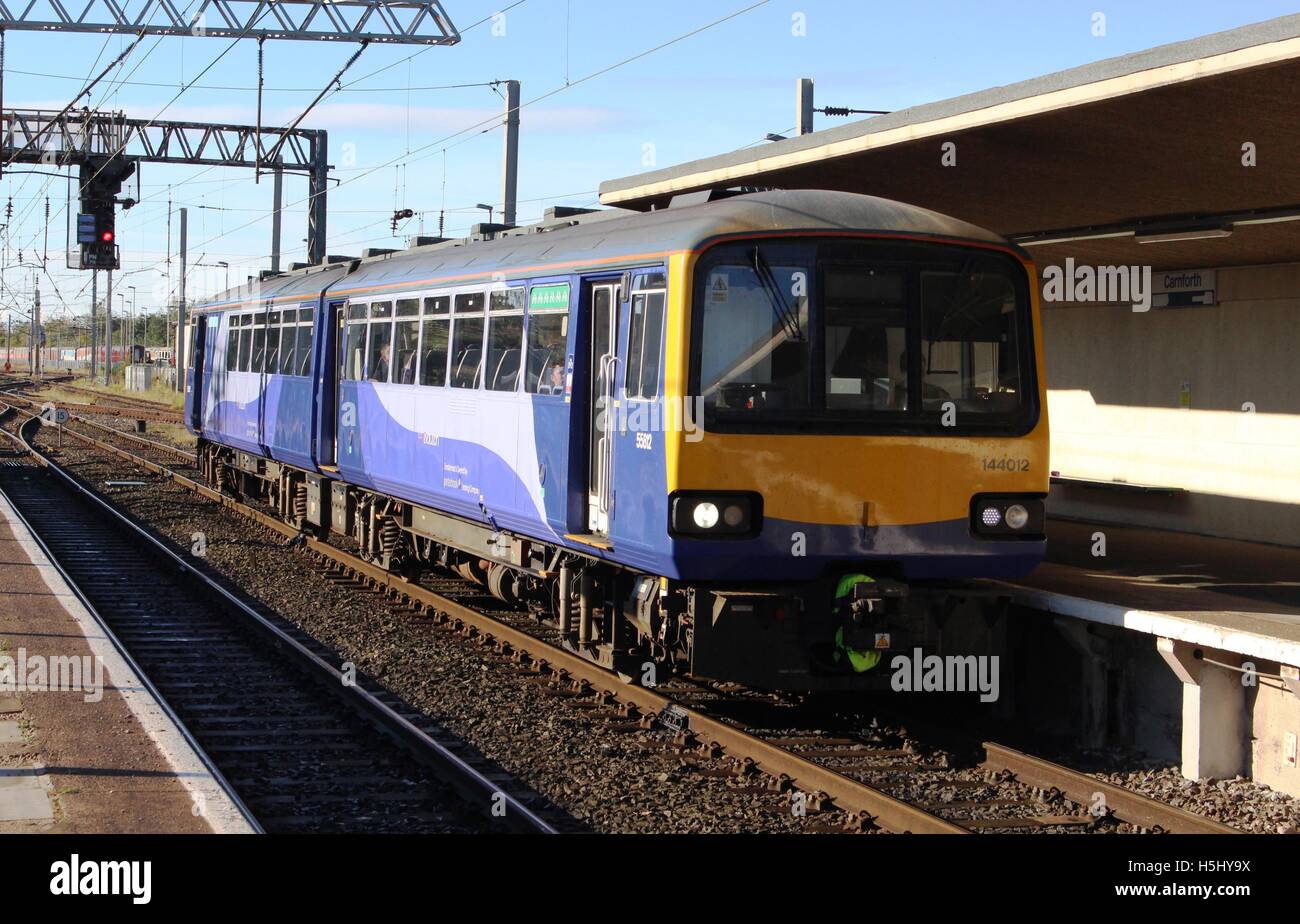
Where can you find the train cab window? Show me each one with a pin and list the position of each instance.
(548, 333)
(755, 353)
(354, 351)
(232, 345)
(505, 339)
(379, 348)
(406, 340)
(245, 342)
(467, 340)
(434, 334)
(644, 345)
(306, 320)
(273, 342)
(865, 337)
(969, 344)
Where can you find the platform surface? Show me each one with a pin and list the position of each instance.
(1223, 593)
(103, 758)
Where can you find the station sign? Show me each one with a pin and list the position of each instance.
(1192, 288)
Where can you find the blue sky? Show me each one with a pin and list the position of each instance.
(712, 92)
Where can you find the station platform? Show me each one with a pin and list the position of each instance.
(1224, 616)
(1226, 594)
(88, 751)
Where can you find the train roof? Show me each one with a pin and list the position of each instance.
(609, 239)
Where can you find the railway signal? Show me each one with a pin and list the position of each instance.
(101, 181)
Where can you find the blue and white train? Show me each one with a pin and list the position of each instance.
(728, 435)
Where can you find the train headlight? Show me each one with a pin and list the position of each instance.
(715, 514)
(705, 514)
(1010, 517)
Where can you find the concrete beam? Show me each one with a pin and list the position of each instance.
(1215, 734)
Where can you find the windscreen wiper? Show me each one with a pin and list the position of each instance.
(788, 320)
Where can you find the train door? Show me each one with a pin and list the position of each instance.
(326, 372)
(199, 364)
(605, 298)
(350, 339)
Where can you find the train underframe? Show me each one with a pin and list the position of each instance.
(832, 634)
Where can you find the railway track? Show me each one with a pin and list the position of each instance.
(105, 404)
(154, 448)
(845, 780)
(303, 749)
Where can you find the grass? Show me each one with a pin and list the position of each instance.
(160, 393)
(175, 434)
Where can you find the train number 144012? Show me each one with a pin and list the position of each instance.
(1005, 464)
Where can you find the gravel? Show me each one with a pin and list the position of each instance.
(606, 779)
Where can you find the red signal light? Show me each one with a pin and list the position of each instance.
(106, 236)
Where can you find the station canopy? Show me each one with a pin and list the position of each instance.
(1140, 159)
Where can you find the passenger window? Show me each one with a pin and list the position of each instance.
(467, 340)
(406, 342)
(273, 343)
(305, 339)
(355, 352)
(245, 342)
(288, 341)
(645, 340)
(232, 345)
(548, 329)
(505, 339)
(256, 364)
(433, 340)
(379, 350)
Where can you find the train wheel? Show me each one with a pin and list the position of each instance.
(502, 585)
(472, 569)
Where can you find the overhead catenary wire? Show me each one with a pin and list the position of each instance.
(190, 84)
(275, 150)
(495, 118)
(470, 131)
(169, 103)
(68, 108)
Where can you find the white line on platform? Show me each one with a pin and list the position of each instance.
(219, 811)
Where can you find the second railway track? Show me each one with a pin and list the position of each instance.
(301, 748)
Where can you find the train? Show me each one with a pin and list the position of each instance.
(753, 436)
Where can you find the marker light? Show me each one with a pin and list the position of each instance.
(991, 516)
(1017, 516)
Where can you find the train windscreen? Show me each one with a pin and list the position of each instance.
(862, 336)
